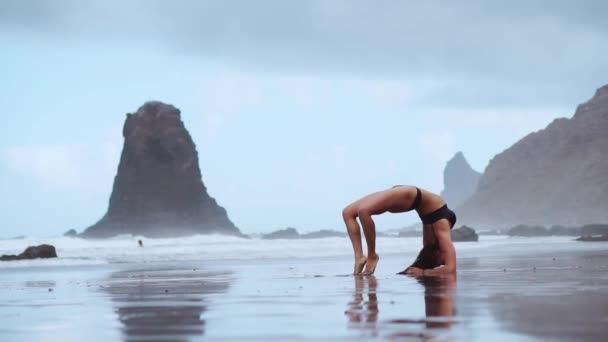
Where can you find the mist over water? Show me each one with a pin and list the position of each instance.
(125, 250)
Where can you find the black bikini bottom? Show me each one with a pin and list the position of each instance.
(441, 213)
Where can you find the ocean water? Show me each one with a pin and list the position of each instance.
(230, 289)
(125, 249)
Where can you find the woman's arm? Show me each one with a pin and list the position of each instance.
(444, 240)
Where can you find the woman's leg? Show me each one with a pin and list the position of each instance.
(373, 204)
(349, 214)
(369, 230)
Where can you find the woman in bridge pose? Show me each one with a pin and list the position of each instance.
(437, 256)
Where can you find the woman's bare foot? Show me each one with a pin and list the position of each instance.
(359, 263)
(370, 266)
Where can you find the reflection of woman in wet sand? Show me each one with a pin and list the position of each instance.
(439, 307)
(439, 300)
(360, 311)
(438, 256)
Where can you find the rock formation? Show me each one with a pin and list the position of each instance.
(287, 233)
(595, 229)
(535, 231)
(292, 233)
(325, 233)
(158, 190)
(528, 231)
(460, 180)
(33, 252)
(464, 234)
(557, 175)
(71, 233)
(591, 238)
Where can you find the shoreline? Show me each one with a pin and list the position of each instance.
(315, 298)
(75, 252)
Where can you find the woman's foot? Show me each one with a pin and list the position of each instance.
(370, 266)
(359, 264)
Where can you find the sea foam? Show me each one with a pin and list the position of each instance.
(74, 251)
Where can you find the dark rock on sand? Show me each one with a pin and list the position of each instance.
(71, 233)
(158, 190)
(33, 252)
(591, 238)
(556, 176)
(324, 234)
(595, 229)
(460, 180)
(594, 232)
(528, 231)
(463, 234)
(287, 233)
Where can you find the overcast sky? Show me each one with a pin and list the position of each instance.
(297, 108)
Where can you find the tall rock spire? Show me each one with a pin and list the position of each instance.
(460, 180)
(158, 190)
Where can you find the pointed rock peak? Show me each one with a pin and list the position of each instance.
(601, 92)
(157, 109)
(459, 159)
(459, 179)
(158, 189)
(596, 106)
(459, 156)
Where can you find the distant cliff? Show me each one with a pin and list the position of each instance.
(558, 175)
(158, 190)
(460, 180)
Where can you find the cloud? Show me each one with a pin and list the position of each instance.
(54, 165)
(438, 146)
(517, 121)
(231, 92)
(66, 167)
(227, 94)
(519, 40)
(478, 133)
(305, 91)
(390, 92)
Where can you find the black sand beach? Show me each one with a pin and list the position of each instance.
(557, 292)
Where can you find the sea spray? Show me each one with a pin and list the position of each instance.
(73, 251)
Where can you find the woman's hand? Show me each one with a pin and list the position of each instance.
(414, 272)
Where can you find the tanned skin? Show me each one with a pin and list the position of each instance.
(398, 199)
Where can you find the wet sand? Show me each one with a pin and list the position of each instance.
(523, 293)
